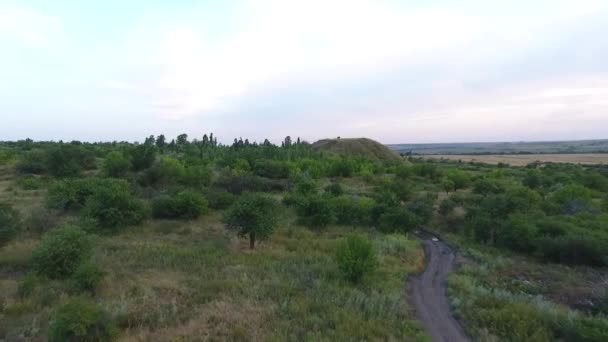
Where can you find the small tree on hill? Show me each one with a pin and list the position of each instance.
(253, 215)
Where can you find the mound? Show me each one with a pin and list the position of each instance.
(362, 147)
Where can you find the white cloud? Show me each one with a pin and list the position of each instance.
(28, 26)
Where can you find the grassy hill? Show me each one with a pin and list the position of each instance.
(363, 147)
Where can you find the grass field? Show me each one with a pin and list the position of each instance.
(525, 159)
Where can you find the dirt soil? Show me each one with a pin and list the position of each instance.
(428, 293)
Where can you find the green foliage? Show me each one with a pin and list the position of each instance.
(572, 199)
(142, 156)
(341, 168)
(487, 186)
(397, 219)
(356, 257)
(460, 179)
(40, 220)
(72, 194)
(219, 199)
(306, 185)
(86, 277)
(197, 176)
(428, 170)
(253, 214)
(30, 182)
(61, 251)
(33, 161)
(518, 233)
(80, 320)
(272, 169)
(116, 164)
(335, 189)
(314, 211)
(447, 185)
(349, 210)
(183, 205)
(112, 207)
(574, 249)
(67, 160)
(9, 223)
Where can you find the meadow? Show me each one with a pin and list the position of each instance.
(525, 159)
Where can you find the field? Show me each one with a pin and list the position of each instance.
(525, 159)
(535, 147)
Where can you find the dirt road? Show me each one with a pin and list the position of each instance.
(429, 294)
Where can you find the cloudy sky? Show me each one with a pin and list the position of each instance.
(396, 71)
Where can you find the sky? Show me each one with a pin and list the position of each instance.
(395, 71)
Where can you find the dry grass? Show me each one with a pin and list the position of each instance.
(525, 159)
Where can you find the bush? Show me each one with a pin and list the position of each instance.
(33, 161)
(219, 199)
(9, 223)
(113, 207)
(517, 233)
(61, 251)
(116, 164)
(238, 183)
(272, 168)
(305, 185)
(197, 176)
(142, 157)
(485, 186)
(356, 257)
(86, 277)
(341, 168)
(335, 189)
(314, 211)
(80, 320)
(184, 205)
(353, 211)
(29, 182)
(579, 249)
(397, 219)
(68, 160)
(40, 221)
(72, 193)
(572, 199)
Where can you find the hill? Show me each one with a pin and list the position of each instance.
(362, 147)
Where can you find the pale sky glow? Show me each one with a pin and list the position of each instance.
(395, 71)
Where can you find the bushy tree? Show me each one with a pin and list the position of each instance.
(572, 199)
(517, 233)
(142, 156)
(86, 277)
(113, 207)
(356, 257)
(9, 223)
(272, 169)
(314, 211)
(116, 164)
(61, 251)
(183, 205)
(253, 215)
(397, 219)
(67, 160)
(79, 319)
(33, 161)
(335, 189)
(197, 176)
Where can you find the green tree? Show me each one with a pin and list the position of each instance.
(356, 257)
(79, 319)
(9, 223)
(254, 215)
(61, 251)
(447, 185)
(116, 164)
(161, 142)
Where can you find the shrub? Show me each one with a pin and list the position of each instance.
(66, 160)
(219, 199)
(353, 211)
(142, 157)
(9, 223)
(40, 220)
(572, 199)
(197, 176)
(33, 161)
(335, 189)
(61, 251)
(113, 207)
(80, 320)
(86, 277)
(254, 215)
(459, 178)
(184, 205)
(341, 168)
(570, 249)
(447, 206)
(116, 164)
(238, 183)
(356, 257)
(305, 185)
(29, 182)
(314, 211)
(485, 186)
(397, 219)
(517, 233)
(272, 168)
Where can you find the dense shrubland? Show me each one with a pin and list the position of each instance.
(104, 205)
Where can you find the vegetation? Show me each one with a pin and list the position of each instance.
(336, 218)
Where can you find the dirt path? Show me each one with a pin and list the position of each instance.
(429, 294)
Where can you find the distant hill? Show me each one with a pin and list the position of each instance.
(534, 147)
(362, 147)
